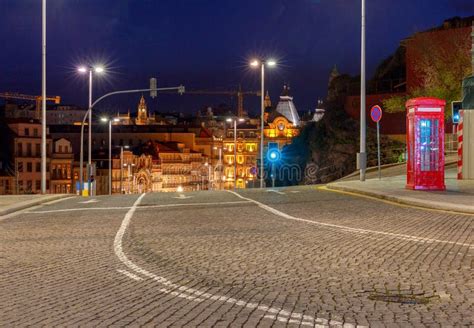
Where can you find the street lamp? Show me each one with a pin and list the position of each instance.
(362, 160)
(43, 99)
(105, 120)
(262, 63)
(234, 120)
(90, 70)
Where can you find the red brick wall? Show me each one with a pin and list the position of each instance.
(392, 123)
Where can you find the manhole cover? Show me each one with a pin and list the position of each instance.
(403, 299)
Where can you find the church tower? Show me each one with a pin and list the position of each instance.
(142, 112)
(267, 102)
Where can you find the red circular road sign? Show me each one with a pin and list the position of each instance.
(376, 113)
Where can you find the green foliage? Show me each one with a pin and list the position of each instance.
(441, 63)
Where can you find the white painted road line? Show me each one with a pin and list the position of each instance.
(130, 275)
(143, 207)
(89, 201)
(195, 294)
(276, 192)
(352, 230)
(81, 209)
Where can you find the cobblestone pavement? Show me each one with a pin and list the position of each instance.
(290, 257)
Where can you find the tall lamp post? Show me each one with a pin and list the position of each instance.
(234, 120)
(43, 99)
(90, 70)
(362, 160)
(262, 63)
(105, 120)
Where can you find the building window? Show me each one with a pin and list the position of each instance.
(35, 132)
(66, 149)
(28, 150)
(38, 149)
(29, 185)
(29, 167)
(27, 131)
(38, 167)
(38, 185)
(60, 149)
(20, 149)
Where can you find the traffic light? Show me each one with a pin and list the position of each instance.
(153, 91)
(273, 153)
(456, 106)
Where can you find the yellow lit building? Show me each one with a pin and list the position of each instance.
(245, 163)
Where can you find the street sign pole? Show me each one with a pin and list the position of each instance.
(376, 115)
(378, 149)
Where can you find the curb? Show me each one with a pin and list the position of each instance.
(432, 205)
(29, 204)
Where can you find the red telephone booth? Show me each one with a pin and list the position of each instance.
(425, 144)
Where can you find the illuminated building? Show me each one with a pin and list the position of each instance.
(283, 123)
(247, 153)
(158, 167)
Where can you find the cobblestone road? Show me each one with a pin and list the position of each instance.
(295, 257)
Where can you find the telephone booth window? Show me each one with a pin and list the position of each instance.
(429, 144)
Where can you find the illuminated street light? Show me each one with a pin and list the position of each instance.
(82, 70)
(271, 63)
(262, 63)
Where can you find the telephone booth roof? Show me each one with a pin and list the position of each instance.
(425, 102)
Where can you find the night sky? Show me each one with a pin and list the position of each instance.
(204, 44)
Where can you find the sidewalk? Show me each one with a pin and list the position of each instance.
(458, 197)
(13, 203)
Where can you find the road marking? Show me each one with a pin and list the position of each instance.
(391, 202)
(130, 275)
(81, 209)
(181, 196)
(197, 295)
(349, 229)
(141, 207)
(90, 201)
(26, 210)
(276, 192)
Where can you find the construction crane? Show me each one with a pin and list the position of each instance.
(38, 99)
(232, 93)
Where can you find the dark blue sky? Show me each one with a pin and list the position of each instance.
(204, 44)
